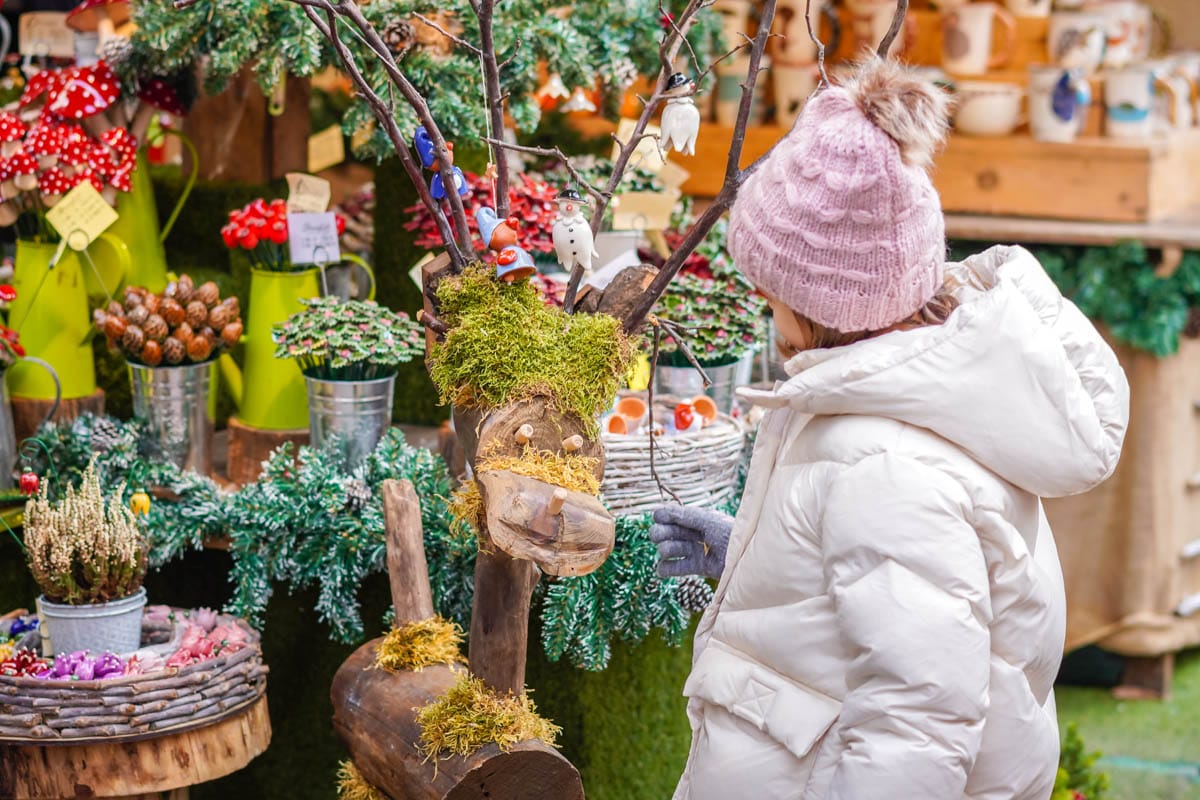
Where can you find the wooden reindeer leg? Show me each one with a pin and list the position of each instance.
(408, 572)
(500, 619)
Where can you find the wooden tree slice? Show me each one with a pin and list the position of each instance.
(249, 447)
(522, 522)
(375, 715)
(498, 430)
(51, 772)
(29, 413)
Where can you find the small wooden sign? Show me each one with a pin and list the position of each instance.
(307, 194)
(45, 33)
(326, 149)
(81, 216)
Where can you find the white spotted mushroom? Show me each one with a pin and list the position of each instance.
(54, 185)
(101, 16)
(87, 93)
(74, 155)
(44, 142)
(24, 171)
(156, 94)
(12, 132)
(121, 180)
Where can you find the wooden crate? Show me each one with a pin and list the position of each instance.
(1090, 179)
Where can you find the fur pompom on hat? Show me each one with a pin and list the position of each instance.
(841, 222)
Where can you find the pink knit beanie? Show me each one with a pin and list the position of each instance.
(841, 222)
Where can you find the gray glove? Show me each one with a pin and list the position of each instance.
(691, 541)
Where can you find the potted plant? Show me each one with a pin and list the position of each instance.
(88, 556)
(724, 319)
(170, 340)
(348, 352)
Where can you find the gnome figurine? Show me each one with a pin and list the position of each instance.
(680, 119)
(500, 236)
(572, 233)
(424, 147)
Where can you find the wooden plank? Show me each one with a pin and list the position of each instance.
(42, 772)
(1182, 231)
(1146, 678)
(497, 648)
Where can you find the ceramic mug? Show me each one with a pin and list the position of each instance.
(1058, 103)
(791, 44)
(1187, 66)
(735, 19)
(988, 109)
(1130, 99)
(1029, 8)
(731, 74)
(793, 85)
(1077, 39)
(1121, 19)
(870, 21)
(967, 34)
(1173, 100)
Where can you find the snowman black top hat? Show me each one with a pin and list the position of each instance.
(569, 193)
(677, 81)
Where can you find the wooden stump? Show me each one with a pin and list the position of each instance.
(30, 412)
(249, 448)
(153, 764)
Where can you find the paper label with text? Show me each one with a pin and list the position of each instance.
(313, 238)
(81, 216)
(45, 33)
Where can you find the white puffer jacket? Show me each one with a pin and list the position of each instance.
(891, 616)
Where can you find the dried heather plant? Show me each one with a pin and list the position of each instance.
(82, 549)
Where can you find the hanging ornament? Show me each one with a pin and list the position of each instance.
(28, 483)
(551, 93)
(572, 234)
(693, 593)
(424, 146)
(500, 236)
(579, 102)
(139, 503)
(680, 119)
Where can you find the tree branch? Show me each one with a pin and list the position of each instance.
(495, 102)
(550, 152)
(386, 118)
(749, 42)
(894, 30)
(812, 34)
(458, 40)
(682, 36)
(734, 177)
(513, 55)
(676, 335)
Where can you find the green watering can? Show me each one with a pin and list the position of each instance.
(270, 392)
(137, 226)
(51, 314)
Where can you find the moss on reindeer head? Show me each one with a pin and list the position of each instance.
(505, 344)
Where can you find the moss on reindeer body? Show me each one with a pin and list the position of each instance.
(470, 715)
(505, 344)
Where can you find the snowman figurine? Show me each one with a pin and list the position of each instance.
(681, 118)
(572, 234)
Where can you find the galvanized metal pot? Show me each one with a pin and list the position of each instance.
(174, 403)
(685, 382)
(349, 416)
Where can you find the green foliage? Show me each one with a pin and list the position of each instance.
(624, 599)
(1077, 779)
(348, 340)
(506, 344)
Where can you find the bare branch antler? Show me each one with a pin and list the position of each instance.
(485, 10)
(894, 30)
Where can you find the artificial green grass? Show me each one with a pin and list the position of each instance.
(505, 344)
(1151, 749)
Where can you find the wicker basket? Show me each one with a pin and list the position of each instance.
(134, 706)
(701, 467)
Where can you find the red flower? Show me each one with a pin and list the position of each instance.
(29, 483)
(7, 293)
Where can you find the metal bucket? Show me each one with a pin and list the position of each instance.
(685, 382)
(115, 626)
(173, 403)
(349, 416)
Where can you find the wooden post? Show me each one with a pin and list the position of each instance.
(500, 620)
(408, 572)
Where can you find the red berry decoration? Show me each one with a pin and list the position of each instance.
(8, 293)
(685, 415)
(29, 483)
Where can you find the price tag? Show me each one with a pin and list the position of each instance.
(313, 238)
(45, 33)
(646, 154)
(307, 193)
(81, 216)
(643, 211)
(326, 149)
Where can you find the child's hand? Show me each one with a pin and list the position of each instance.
(691, 541)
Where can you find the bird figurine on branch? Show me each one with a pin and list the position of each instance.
(430, 161)
(681, 118)
(573, 241)
(500, 236)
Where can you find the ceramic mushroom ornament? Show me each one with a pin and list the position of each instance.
(54, 184)
(24, 170)
(12, 132)
(681, 118)
(44, 143)
(572, 234)
(156, 95)
(89, 91)
(500, 236)
(101, 16)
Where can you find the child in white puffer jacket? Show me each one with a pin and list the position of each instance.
(890, 614)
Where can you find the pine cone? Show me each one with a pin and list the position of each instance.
(399, 35)
(138, 315)
(208, 293)
(133, 339)
(133, 297)
(200, 348)
(358, 494)
(185, 289)
(114, 327)
(105, 434)
(219, 317)
(116, 51)
(693, 593)
(197, 314)
(152, 302)
(172, 312)
(184, 333)
(152, 354)
(155, 328)
(231, 334)
(174, 351)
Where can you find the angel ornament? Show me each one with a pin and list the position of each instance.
(573, 241)
(681, 118)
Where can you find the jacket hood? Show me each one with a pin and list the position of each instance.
(1017, 377)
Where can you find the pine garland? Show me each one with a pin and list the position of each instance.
(294, 526)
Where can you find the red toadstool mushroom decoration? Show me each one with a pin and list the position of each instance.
(155, 94)
(44, 141)
(54, 185)
(12, 131)
(87, 92)
(46, 82)
(24, 171)
(101, 16)
(76, 151)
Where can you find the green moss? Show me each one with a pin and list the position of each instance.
(505, 345)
